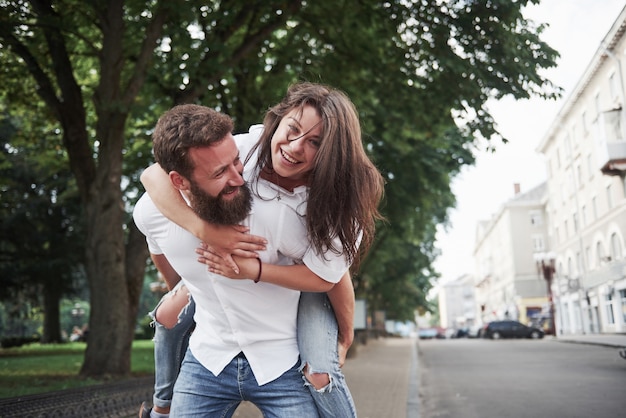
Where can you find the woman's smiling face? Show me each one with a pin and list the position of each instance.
(296, 142)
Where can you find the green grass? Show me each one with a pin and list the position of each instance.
(37, 368)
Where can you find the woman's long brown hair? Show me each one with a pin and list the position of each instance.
(345, 188)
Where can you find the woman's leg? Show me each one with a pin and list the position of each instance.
(317, 341)
(173, 324)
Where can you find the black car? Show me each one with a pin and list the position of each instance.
(510, 329)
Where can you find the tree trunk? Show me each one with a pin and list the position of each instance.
(108, 347)
(51, 312)
(136, 256)
(115, 275)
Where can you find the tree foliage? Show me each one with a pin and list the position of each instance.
(420, 74)
(41, 226)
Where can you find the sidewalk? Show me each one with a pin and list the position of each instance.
(382, 377)
(608, 340)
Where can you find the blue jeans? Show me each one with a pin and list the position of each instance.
(199, 393)
(170, 345)
(317, 342)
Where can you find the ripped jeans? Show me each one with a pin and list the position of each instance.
(317, 342)
(170, 345)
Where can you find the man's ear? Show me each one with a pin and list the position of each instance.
(179, 181)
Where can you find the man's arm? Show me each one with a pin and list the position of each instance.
(341, 298)
(226, 240)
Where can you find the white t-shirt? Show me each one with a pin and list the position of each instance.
(240, 315)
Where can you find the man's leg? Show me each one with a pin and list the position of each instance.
(173, 322)
(317, 342)
(199, 393)
(285, 397)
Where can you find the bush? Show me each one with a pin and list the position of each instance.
(144, 330)
(8, 342)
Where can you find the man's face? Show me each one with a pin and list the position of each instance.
(217, 191)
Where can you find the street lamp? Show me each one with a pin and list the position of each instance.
(545, 265)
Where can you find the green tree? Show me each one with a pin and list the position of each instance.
(419, 72)
(41, 228)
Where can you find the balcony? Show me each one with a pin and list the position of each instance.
(610, 143)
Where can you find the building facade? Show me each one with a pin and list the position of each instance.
(585, 150)
(457, 304)
(508, 284)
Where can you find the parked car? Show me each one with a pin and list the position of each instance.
(510, 329)
(474, 331)
(427, 333)
(461, 333)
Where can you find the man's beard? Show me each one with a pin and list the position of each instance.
(217, 210)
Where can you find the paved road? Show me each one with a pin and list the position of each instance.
(520, 378)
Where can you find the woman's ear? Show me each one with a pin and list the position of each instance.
(179, 181)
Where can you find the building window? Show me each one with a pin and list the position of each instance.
(594, 205)
(599, 254)
(613, 87)
(575, 219)
(616, 247)
(583, 118)
(536, 218)
(584, 215)
(570, 268)
(590, 166)
(610, 317)
(538, 243)
(588, 256)
(571, 183)
(568, 148)
(622, 296)
(596, 103)
(549, 168)
(609, 197)
(558, 158)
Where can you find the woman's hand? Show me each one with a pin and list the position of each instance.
(247, 267)
(343, 345)
(229, 241)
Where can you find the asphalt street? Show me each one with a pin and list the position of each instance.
(476, 378)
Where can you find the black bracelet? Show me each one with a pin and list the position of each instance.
(258, 277)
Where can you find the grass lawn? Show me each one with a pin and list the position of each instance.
(37, 368)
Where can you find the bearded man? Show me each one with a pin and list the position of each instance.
(244, 344)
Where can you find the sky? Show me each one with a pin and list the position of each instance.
(575, 30)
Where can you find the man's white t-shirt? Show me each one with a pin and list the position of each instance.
(240, 315)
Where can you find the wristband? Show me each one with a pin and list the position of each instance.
(258, 277)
